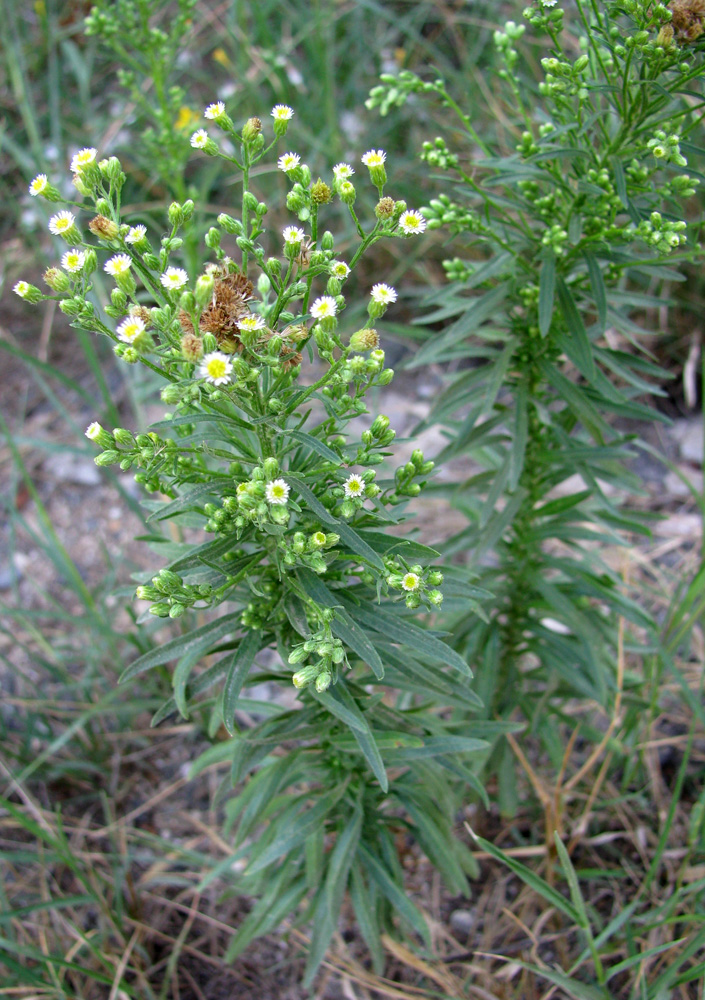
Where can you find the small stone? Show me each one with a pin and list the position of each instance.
(69, 468)
(674, 486)
(462, 921)
(689, 434)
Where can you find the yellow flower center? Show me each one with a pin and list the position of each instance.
(216, 368)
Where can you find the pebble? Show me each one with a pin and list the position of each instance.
(67, 467)
(689, 435)
(462, 921)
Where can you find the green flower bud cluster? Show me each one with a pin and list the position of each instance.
(666, 148)
(406, 476)
(417, 585)
(660, 233)
(374, 440)
(555, 237)
(393, 91)
(331, 658)
(442, 211)
(543, 18)
(504, 43)
(173, 597)
(302, 549)
(457, 269)
(437, 154)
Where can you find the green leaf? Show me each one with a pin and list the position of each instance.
(520, 435)
(434, 746)
(341, 861)
(404, 631)
(478, 310)
(599, 292)
(395, 894)
(347, 534)
(202, 683)
(288, 839)
(198, 640)
(531, 879)
(366, 917)
(342, 704)
(267, 912)
(182, 672)
(240, 663)
(577, 344)
(406, 547)
(547, 286)
(313, 444)
(191, 498)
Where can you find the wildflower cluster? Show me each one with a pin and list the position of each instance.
(237, 449)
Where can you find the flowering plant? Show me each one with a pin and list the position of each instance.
(572, 241)
(256, 451)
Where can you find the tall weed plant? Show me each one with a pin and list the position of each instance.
(571, 230)
(262, 380)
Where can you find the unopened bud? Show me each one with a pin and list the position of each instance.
(103, 228)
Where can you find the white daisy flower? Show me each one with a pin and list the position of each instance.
(293, 234)
(215, 111)
(412, 223)
(61, 222)
(136, 234)
(354, 486)
(199, 139)
(94, 431)
(216, 367)
(22, 288)
(342, 171)
(282, 113)
(39, 185)
(410, 581)
(130, 329)
(73, 261)
(324, 307)
(339, 269)
(82, 158)
(374, 158)
(119, 264)
(174, 278)
(383, 294)
(277, 492)
(251, 323)
(288, 161)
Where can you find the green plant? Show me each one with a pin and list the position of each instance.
(302, 563)
(568, 243)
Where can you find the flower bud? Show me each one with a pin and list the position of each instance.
(210, 344)
(70, 307)
(380, 425)
(251, 129)
(270, 467)
(176, 214)
(57, 280)
(304, 676)
(110, 457)
(229, 224)
(160, 610)
(297, 655)
(203, 292)
(385, 377)
(347, 193)
(323, 681)
(124, 437)
(327, 240)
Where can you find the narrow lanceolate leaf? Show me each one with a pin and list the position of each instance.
(341, 703)
(351, 538)
(401, 630)
(292, 837)
(547, 286)
(577, 344)
(599, 292)
(395, 894)
(201, 639)
(242, 660)
(314, 444)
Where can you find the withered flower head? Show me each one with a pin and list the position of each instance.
(191, 347)
(384, 209)
(103, 227)
(141, 312)
(321, 194)
(688, 19)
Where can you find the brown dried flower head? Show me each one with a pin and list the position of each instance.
(384, 209)
(364, 340)
(191, 347)
(688, 19)
(141, 312)
(103, 227)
